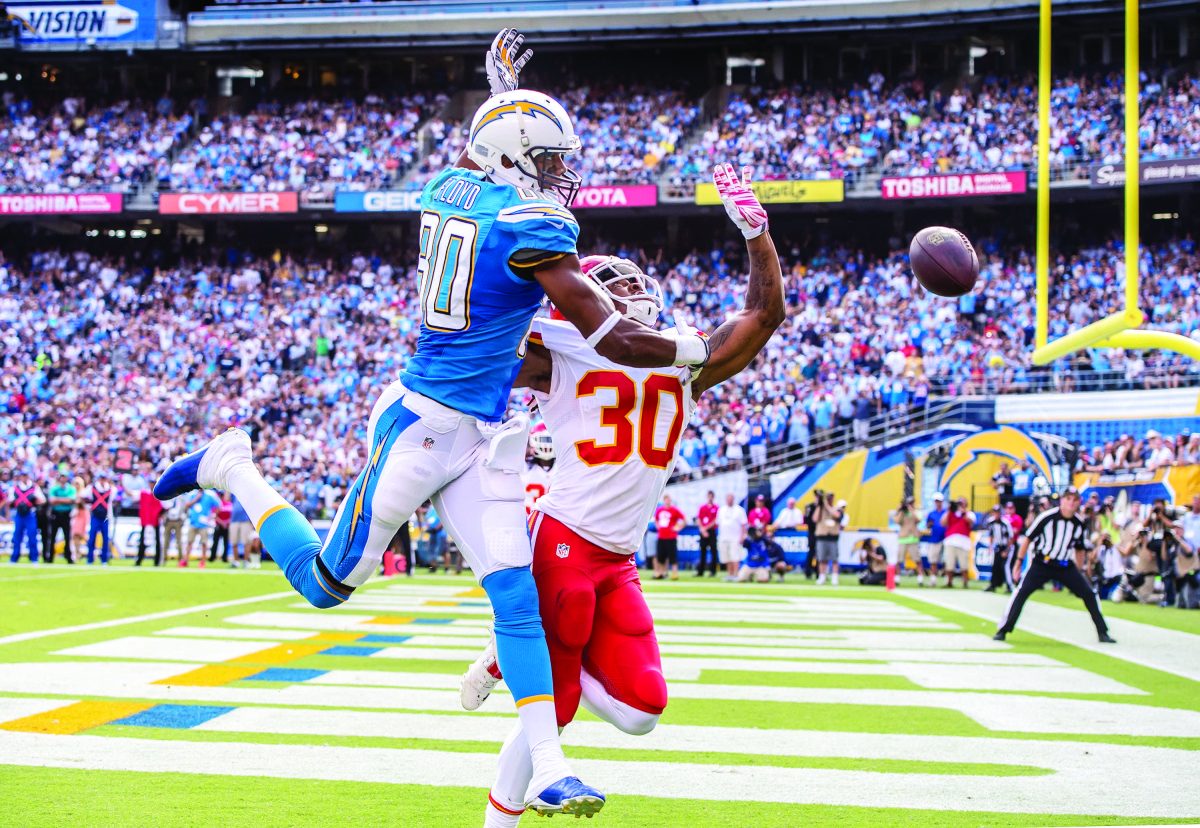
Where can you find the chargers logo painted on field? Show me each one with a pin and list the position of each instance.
(75, 21)
(1004, 441)
(534, 110)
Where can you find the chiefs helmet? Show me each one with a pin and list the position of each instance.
(541, 442)
(645, 300)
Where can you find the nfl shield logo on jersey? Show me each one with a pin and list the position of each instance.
(427, 443)
(563, 550)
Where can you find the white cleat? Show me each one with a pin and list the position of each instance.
(478, 682)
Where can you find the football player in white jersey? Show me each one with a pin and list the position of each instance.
(616, 435)
(537, 473)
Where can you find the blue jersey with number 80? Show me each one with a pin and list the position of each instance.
(475, 309)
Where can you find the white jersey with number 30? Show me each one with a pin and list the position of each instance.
(616, 435)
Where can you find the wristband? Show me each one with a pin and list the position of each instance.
(691, 350)
(605, 327)
(755, 232)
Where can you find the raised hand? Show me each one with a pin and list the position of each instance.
(739, 200)
(504, 61)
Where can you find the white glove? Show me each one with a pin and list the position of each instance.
(739, 200)
(503, 65)
(691, 346)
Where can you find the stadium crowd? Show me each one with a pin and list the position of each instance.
(347, 144)
(626, 133)
(631, 134)
(908, 128)
(77, 147)
(99, 353)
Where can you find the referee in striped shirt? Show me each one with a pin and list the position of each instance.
(1054, 536)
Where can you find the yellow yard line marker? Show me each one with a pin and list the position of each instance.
(76, 717)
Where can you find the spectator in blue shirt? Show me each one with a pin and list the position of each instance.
(932, 540)
(200, 523)
(1022, 486)
(763, 556)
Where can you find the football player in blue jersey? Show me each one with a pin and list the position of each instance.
(496, 236)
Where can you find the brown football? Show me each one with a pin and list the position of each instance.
(944, 261)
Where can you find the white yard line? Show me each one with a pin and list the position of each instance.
(55, 576)
(1000, 712)
(1171, 651)
(1083, 788)
(135, 619)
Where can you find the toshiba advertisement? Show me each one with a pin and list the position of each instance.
(221, 204)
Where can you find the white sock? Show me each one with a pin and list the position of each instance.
(494, 818)
(253, 492)
(255, 560)
(540, 723)
(623, 716)
(512, 779)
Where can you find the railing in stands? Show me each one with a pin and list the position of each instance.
(939, 411)
(1043, 380)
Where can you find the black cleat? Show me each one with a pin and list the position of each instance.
(999, 636)
(1105, 638)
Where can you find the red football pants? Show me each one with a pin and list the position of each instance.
(595, 618)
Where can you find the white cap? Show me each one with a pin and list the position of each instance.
(938, 496)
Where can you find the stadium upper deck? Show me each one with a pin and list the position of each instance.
(632, 135)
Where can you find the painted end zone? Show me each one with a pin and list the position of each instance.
(174, 716)
(75, 718)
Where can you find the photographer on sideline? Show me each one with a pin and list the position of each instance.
(874, 558)
(1162, 543)
(908, 528)
(958, 522)
(829, 519)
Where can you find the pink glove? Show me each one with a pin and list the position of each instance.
(739, 200)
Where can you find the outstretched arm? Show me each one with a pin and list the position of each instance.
(614, 337)
(736, 342)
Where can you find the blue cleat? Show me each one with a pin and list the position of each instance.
(567, 796)
(205, 468)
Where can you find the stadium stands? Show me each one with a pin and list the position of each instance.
(909, 129)
(631, 135)
(294, 345)
(367, 144)
(75, 146)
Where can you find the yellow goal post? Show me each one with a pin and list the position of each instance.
(1121, 329)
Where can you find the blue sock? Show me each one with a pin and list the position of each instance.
(520, 640)
(295, 547)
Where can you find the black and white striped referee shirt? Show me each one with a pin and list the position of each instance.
(1001, 533)
(1054, 538)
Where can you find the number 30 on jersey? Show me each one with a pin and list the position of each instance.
(445, 267)
(618, 417)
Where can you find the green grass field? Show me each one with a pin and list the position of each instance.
(189, 698)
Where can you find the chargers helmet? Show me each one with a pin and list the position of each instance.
(541, 442)
(645, 301)
(523, 126)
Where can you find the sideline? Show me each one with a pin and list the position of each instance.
(1146, 645)
(134, 619)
